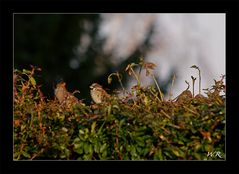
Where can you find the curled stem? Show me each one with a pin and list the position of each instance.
(193, 79)
(199, 74)
(118, 75)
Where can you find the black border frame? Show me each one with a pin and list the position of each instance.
(8, 7)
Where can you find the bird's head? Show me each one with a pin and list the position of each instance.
(95, 85)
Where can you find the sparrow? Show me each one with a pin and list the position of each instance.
(63, 96)
(98, 94)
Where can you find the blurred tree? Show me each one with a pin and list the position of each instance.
(67, 47)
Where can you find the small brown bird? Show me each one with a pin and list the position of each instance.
(63, 96)
(98, 94)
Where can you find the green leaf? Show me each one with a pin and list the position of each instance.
(102, 148)
(81, 131)
(77, 146)
(140, 141)
(93, 127)
(79, 150)
(90, 149)
(26, 72)
(133, 151)
(86, 148)
(101, 127)
(208, 148)
(87, 157)
(145, 151)
(158, 155)
(33, 82)
(97, 147)
(104, 155)
(63, 156)
(25, 154)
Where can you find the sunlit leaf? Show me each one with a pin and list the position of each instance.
(33, 82)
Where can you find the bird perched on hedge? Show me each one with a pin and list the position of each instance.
(64, 97)
(98, 94)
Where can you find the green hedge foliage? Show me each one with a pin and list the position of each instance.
(140, 125)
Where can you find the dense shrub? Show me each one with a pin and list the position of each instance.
(141, 125)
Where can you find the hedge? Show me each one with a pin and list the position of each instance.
(139, 125)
